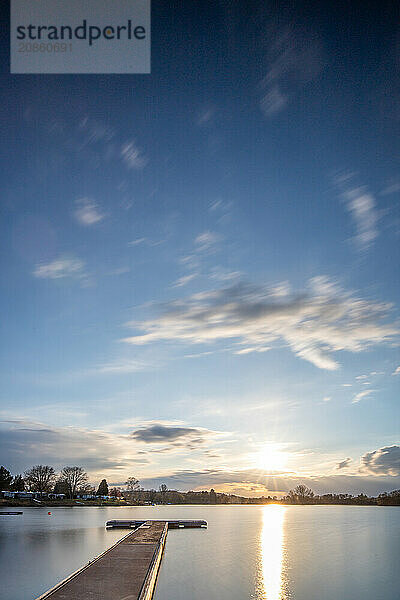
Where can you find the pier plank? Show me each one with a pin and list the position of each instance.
(172, 523)
(127, 571)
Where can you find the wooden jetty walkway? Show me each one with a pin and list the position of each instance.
(172, 523)
(126, 571)
(11, 512)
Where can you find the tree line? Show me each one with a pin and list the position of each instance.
(301, 494)
(73, 481)
(69, 482)
(44, 479)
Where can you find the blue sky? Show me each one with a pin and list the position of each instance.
(200, 283)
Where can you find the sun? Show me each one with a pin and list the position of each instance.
(271, 458)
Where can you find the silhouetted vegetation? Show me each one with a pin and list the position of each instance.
(74, 477)
(40, 478)
(72, 486)
(102, 490)
(5, 478)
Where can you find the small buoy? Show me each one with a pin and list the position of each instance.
(49, 513)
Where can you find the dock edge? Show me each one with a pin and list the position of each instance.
(149, 584)
(60, 584)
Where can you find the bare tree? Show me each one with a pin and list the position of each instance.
(87, 488)
(61, 487)
(301, 494)
(132, 487)
(74, 477)
(163, 491)
(152, 495)
(40, 478)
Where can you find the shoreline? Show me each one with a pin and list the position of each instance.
(111, 504)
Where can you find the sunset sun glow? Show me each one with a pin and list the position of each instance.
(271, 458)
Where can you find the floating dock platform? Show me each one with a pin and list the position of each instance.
(11, 512)
(172, 524)
(126, 571)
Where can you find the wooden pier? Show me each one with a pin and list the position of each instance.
(126, 571)
(172, 523)
(11, 512)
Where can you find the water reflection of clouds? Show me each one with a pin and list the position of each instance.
(271, 579)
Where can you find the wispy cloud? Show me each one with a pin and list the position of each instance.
(185, 279)
(137, 242)
(99, 134)
(312, 324)
(273, 101)
(294, 58)
(63, 267)
(93, 131)
(132, 156)
(205, 116)
(392, 188)
(344, 463)
(361, 395)
(120, 366)
(87, 212)
(253, 349)
(205, 244)
(221, 274)
(221, 210)
(97, 143)
(207, 240)
(362, 206)
(147, 242)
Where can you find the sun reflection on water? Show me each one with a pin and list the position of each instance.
(271, 585)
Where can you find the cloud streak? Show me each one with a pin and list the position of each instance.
(361, 395)
(295, 57)
(344, 463)
(206, 241)
(63, 267)
(361, 204)
(175, 435)
(314, 324)
(132, 156)
(87, 212)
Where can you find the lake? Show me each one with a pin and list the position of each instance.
(248, 552)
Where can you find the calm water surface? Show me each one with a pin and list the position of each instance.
(263, 552)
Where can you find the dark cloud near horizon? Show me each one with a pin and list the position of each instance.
(23, 444)
(344, 463)
(165, 433)
(384, 461)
